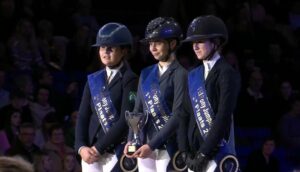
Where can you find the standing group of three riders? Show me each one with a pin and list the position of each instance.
(188, 112)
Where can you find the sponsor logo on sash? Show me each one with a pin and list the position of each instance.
(155, 103)
(203, 113)
(104, 107)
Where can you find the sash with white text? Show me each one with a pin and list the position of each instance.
(201, 106)
(155, 103)
(203, 113)
(104, 107)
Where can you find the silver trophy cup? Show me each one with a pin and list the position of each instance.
(136, 121)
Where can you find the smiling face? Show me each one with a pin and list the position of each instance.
(160, 49)
(111, 55)
(202, 49)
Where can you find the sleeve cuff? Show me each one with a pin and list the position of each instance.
(80, 149)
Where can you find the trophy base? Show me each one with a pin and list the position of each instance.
(131, 149)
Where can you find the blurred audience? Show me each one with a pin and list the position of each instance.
(24, 146)
(263, 160)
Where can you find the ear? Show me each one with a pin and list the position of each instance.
(216, 42)
(124, 51)
(173, 44)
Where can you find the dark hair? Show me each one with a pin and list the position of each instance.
(27, 125)
(17, 93)
(53, 127)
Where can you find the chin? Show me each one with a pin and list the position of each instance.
(106, 63)
(157, 57)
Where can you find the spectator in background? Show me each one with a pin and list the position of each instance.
(284, 96)
(24, 146)
(289, 128)
(24, 48)
(83, 16)
(44, 162)
(253, 105)
(78, 50)
(70, 163)
(263, 160)
(52, 47)
(63, 101)
(18, 102)
(57, 147)
(40, 107)
(23, 82)
(42, 134)
(11, 126)
(45, 38)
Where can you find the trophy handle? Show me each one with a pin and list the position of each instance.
(178, 163)
(128, 164)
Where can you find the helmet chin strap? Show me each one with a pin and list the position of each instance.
(211, 53)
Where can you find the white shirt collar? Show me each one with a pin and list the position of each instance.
(113, 71)
(211, 62)
(163, 69)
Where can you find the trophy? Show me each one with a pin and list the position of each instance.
(136, 121)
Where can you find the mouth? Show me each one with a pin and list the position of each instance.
(198, 54)
(106, 57)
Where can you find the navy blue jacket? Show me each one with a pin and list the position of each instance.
(88, 128)
(222, 87)
(172, 86)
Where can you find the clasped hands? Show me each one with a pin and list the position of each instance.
(89, 154)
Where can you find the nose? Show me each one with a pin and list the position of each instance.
(108, 50)
(195, 46)
(153, 47)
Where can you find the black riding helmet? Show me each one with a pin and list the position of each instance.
(162, 28)
(113, 34)
(207, 27)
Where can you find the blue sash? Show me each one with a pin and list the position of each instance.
(104, 107)
(203, 114)
(155, 103)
